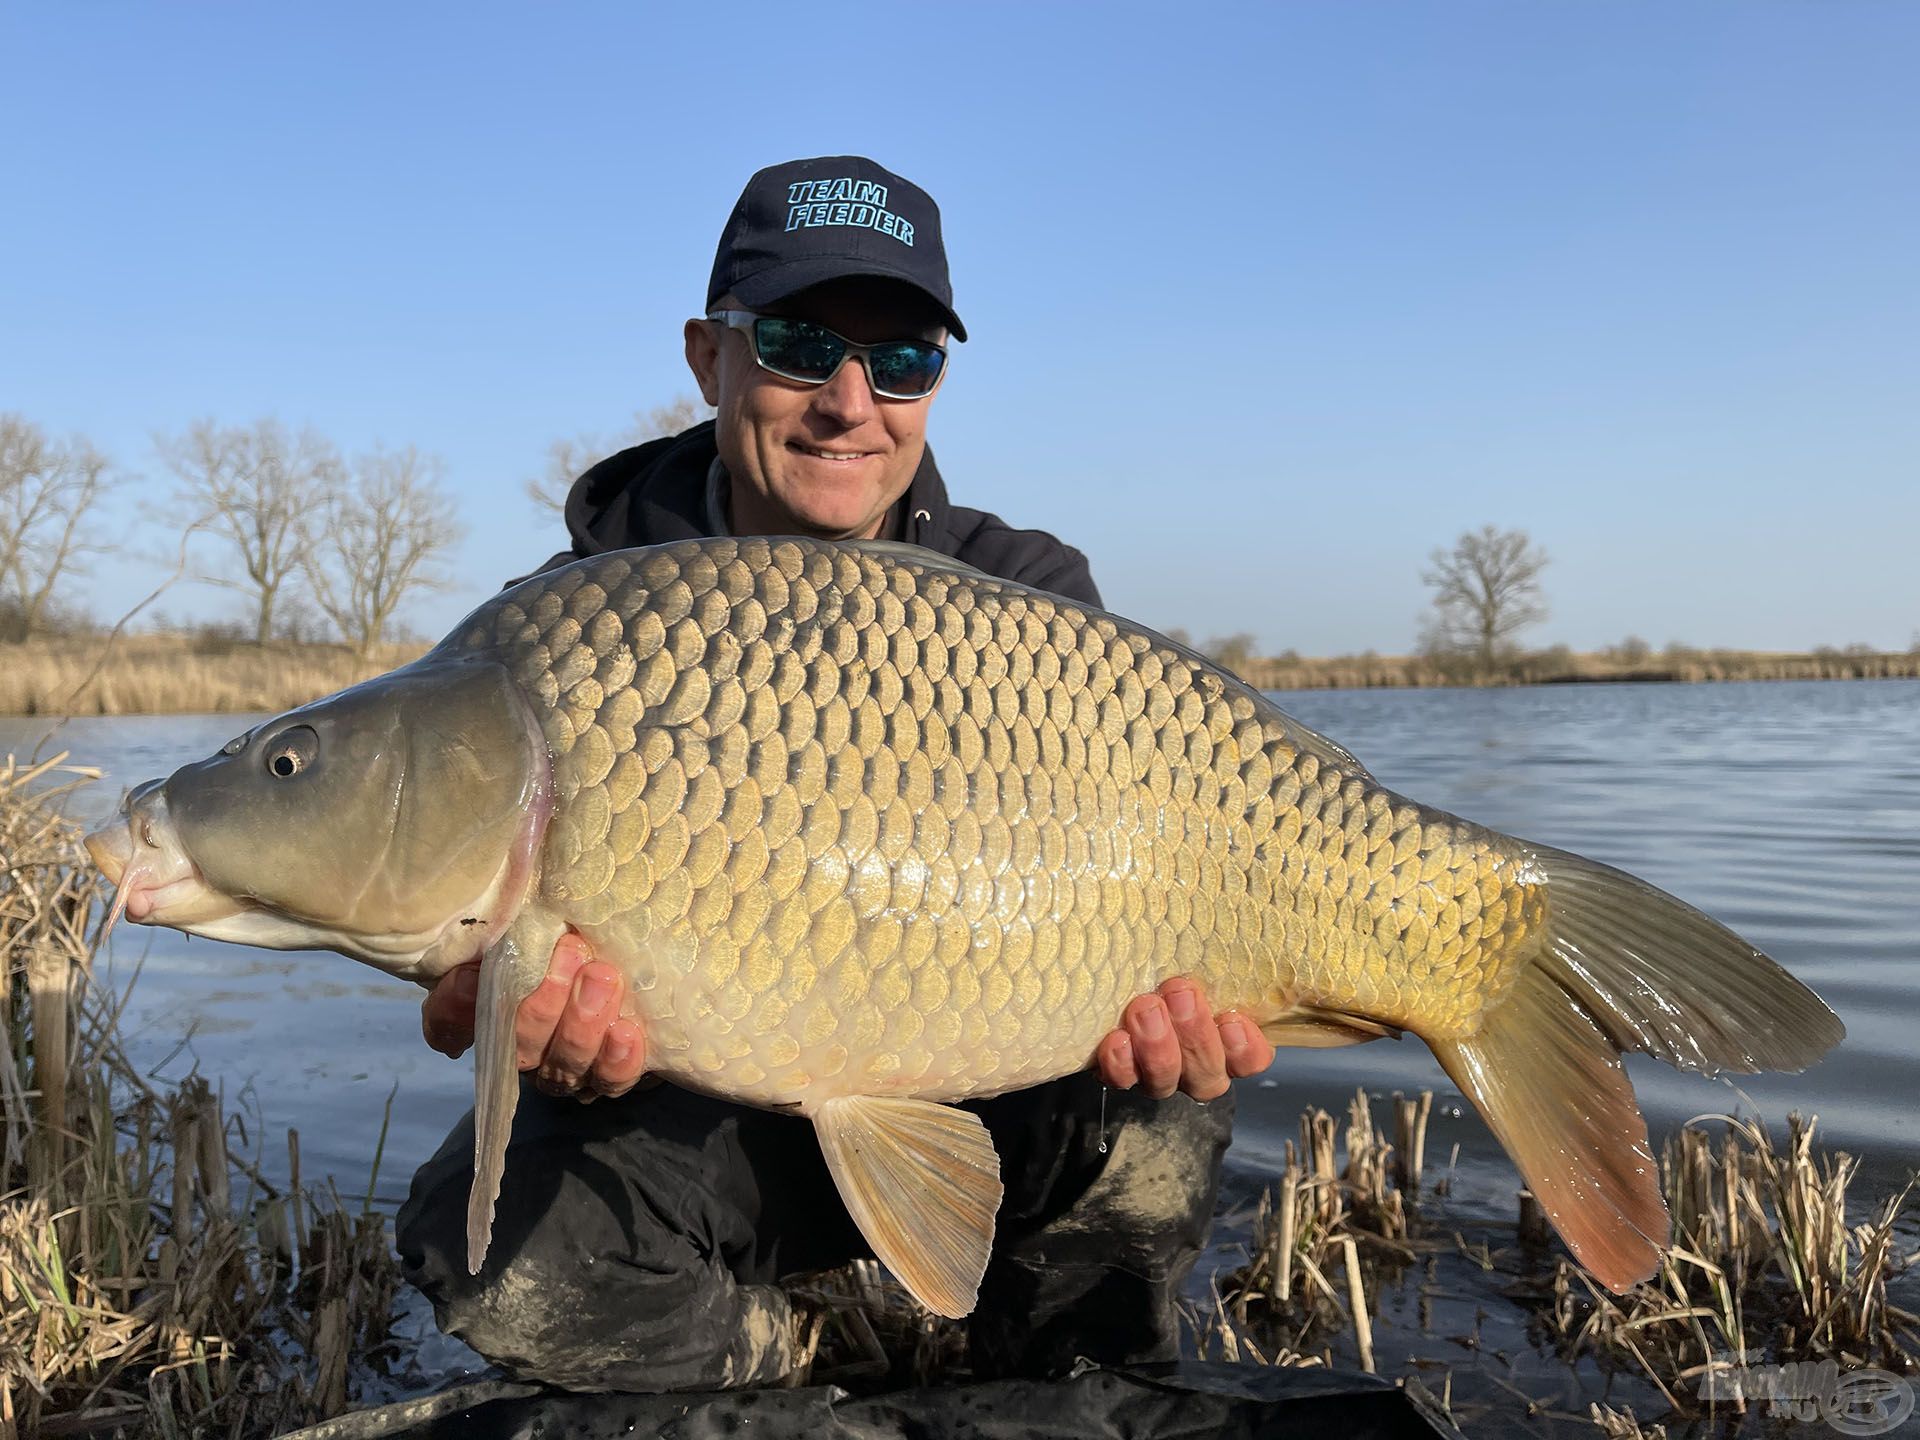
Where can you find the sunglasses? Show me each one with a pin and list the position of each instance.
(812, 354)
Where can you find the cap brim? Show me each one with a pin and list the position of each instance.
(777, 282)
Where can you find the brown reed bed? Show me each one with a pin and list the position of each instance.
(1768, 1267)
(1562, 666)
(1326, 1234)
(152, 1280)
(178, 674)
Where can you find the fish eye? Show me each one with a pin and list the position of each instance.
(237, 744)
(291, 752)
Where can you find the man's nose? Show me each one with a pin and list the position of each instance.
(847, 398)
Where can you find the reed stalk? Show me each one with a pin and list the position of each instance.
(1766, 1267)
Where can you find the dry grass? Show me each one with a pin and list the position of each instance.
(178, 674)
(858, 1328)
(151, 1281)
(1766, 1268)
(1322, 1236)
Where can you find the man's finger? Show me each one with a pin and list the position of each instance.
(1115, 1061)
(1156, 1051)
(540, 1012)
(446, 1012)
(1248, 1051)
(623, 1058)
(1203, 1059)
(594, 1005)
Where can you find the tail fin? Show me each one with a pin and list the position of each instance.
(1552, 1089)
(1625, 967)
(1661, 977)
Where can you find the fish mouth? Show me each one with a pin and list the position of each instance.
(155, 880)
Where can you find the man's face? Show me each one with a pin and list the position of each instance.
(823, 460)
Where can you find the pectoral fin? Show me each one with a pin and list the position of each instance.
(509, 970)
(922, 1182)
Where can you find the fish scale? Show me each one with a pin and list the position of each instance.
(974, 821)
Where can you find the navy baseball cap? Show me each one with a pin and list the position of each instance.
(809, 221)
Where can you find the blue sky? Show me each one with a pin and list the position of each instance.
(1265, 302)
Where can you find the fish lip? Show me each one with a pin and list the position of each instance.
(155, 881)
(176, 895)
(111, 859)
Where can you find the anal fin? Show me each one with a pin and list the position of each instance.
(922, 1182)
(1307, 1029)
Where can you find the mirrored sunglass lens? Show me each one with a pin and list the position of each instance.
(796, 348)
(907, 370)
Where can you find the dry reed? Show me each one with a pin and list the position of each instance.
(1327, 1221)
(178, 674)
(1766, 1268)
(858, 1328)
(152, 1282)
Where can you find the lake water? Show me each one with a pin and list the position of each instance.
(1790, 811)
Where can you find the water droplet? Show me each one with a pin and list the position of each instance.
(1103, 1119)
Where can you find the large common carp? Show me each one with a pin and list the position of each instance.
(869, 831)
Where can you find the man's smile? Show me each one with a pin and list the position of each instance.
(841, 456)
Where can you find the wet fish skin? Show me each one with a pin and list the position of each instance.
(869, 831)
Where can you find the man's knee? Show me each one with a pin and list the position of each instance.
(605, 1269)
(1097, 1266)
(546, 1317)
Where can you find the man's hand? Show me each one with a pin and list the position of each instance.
(571, 1029)
(1171, 1040)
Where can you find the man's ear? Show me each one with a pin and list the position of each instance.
(703, 359)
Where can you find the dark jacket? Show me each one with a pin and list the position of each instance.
(657, 492)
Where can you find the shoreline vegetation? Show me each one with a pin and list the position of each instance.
(172, 674)
(154, 1280)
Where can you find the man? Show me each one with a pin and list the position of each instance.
(636, 1245)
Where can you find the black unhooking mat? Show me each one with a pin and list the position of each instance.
(1184, 1401)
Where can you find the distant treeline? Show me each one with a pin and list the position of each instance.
(1563, 666)
(321, 544)
(209, 672)
(317, 542)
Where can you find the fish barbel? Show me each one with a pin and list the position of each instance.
(868, 832)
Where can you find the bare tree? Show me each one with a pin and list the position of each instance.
(1486, 590)
(1232, 651)
(376, 540)
(250, 488)
(46, 492)
(567, 459)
